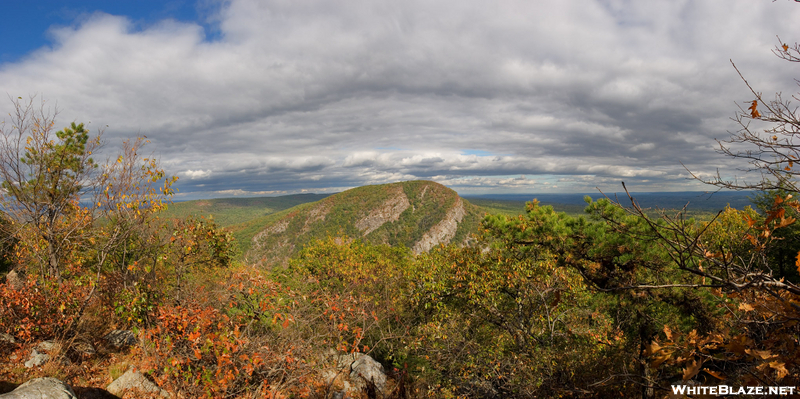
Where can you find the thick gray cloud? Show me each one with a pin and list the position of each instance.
(479, 95)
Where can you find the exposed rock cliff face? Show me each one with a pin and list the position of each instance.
(442, 232)
(316, 214)
(415, 214)
(276, 228)
(389, 211)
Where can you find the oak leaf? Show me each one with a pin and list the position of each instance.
(692, 369)
(746, 307)
(753, 111)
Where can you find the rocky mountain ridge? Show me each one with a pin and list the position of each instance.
(415, 214)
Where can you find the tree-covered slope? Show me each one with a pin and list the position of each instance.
(415, 214)
(232, 211)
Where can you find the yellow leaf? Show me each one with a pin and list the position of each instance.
(785, 47)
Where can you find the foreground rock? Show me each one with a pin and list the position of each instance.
(358, 373)
(135, 381)
(40, 355)
(37, 359)
(39, 388)
(15, 280)
(121, 339)
(366, 374)
(7, 338)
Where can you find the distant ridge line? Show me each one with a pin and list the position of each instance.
(667, 200)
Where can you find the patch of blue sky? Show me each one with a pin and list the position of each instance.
(26, 25)
(480, 153)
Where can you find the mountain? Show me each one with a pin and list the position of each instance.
(416, 214)
(231, 211)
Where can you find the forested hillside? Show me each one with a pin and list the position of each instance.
(232, 211)
(418, 215)
(244, 217)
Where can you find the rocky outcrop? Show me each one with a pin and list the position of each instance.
(15, 280)
(36, 359)
(442, 232)
(389, 211)
(317, 214)
(277, 228)
(7, 338)
(416, 214)
(135, 381)
(367, 374)
(84, 348)
(356, 373)
(121, 338)
(40, 354)
(39, 388)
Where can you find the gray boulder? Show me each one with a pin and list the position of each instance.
(134, 380)
(37, 359)
(365, 371)
(39, 355)
(15, 280)
(357, 372)
(121, 338)
(41, 388)
(84, 348)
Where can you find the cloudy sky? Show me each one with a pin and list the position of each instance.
(263, 97)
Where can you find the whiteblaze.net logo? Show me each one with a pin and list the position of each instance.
(729, 390)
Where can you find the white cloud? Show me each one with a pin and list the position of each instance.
(194, 174)
(314, 95)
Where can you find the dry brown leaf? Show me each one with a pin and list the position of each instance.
(716, 374)
(759, 354)
(692, 370)
(780, 369)
(753, 111)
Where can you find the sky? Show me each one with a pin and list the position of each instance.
(263, 97)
